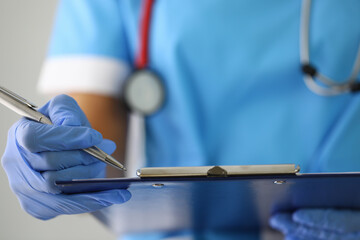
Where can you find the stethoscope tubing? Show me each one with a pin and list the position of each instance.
(329, 87)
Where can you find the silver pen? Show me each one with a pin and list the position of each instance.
(23, 107)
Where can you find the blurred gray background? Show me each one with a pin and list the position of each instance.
(25, 27)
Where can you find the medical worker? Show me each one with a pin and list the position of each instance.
(232, 92)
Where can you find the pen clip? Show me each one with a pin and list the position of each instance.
(17, 97)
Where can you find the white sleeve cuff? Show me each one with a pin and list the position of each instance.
(87, 74)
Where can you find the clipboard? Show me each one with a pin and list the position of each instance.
(217, 198)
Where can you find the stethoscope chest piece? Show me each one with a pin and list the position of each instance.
(144, 92)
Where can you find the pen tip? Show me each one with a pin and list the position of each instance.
(113, 162)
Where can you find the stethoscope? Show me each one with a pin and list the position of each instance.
(325, 86)
(144, 91)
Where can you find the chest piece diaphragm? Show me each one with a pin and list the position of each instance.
(144, 92)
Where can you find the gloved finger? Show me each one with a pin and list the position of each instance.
(23, 180)
(107, 146)
(30, 182)
(46, 206)
(37, 137)
(95, 170)
(22, 177)
(64, 110)
(53, 161)
(284, 223)
(331, 219)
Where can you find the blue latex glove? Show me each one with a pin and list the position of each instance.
(310, 224)
(38, 154)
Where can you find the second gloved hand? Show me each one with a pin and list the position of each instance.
(316, 224)
(38, 154)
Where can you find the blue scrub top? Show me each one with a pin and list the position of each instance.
(234, 90)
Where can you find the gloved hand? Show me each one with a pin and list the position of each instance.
(310, 224)
(38, 154)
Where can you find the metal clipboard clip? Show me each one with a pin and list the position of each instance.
(218, 171)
